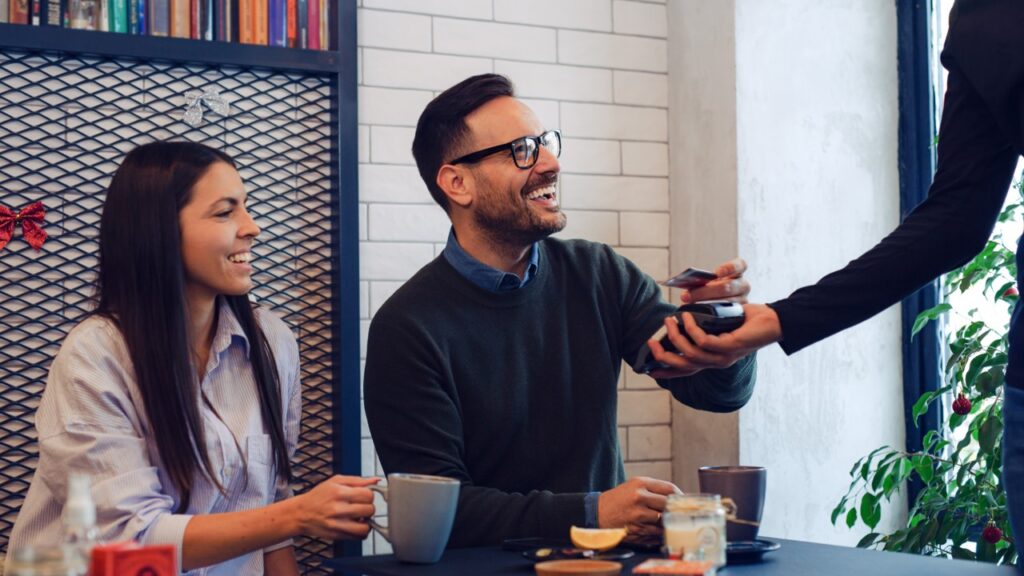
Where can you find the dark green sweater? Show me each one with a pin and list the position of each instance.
(514, 393)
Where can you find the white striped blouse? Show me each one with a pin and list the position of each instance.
(92, 420)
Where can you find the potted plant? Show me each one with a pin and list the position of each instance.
(960, 511)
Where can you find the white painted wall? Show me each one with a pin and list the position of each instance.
(595, 68)
(812, 136)
(817, 101)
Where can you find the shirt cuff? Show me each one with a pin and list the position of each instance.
(169, 529)
(278, 546)
(590, 509)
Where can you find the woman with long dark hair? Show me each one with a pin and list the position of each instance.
(179, 397)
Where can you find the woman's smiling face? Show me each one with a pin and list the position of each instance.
(217, 235)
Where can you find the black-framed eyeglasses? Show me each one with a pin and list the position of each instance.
(525, 151)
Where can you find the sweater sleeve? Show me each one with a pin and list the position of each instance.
(644, 311)
(975, 166)
(414, 417)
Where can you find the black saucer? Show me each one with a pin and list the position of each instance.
(570, 553)
(749, 551)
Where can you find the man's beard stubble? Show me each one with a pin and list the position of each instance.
(515, 223)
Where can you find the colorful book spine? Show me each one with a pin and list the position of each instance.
(180, 19)
(159, 18)
(206, 20)
(302, 34)
(5, 11)
(84, 14)
(278, 24)
(193, 19)
(313, 33)
(143, 23)
(133, 16)
(103, 15)
(262, 26)
(247, 21)
(219, 13)
(325, 19)
(34, 9)
(54, 12)
(19, 11)
(118, 16)
(232, 7)
(292, 28)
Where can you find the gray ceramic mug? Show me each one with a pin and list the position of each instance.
(745, 486)
(421, 510)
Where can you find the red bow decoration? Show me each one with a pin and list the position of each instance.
(31, 218)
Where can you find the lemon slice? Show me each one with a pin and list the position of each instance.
(596, 538)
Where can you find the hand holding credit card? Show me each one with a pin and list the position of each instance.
(690, 278)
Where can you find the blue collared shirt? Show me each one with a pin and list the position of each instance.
(483, 275)
(496, 280)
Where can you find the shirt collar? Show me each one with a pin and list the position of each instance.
(228, 330)
(484, 276)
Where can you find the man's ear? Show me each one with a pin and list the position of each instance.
(457, 184)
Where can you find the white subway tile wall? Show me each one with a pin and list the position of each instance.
(596, 69)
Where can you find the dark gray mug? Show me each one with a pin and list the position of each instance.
(745, 486)
(421, 510)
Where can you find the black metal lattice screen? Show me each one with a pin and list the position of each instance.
(65, 124)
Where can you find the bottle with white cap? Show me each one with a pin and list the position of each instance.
(79, 525)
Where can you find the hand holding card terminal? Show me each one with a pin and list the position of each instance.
(712, 317)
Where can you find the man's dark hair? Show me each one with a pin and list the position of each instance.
(441, 130)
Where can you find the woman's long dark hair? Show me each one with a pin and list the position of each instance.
(142, 290)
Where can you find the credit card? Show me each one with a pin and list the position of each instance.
(690, 278)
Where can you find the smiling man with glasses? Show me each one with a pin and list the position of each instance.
(497, 364)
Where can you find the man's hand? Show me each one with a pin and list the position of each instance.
(635, 505)
(692, 358)
(729, 285)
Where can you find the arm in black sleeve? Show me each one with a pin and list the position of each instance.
(415, 419)
(975, 166)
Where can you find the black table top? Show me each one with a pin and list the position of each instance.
(792, 559)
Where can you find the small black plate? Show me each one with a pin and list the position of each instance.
(544, 554)
(749, 551)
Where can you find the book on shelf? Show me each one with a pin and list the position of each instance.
(302, 33)
(284, 23)
(55, 13)
(278, 23)
(180, 18)
(313, 33)
(325, 37)
(262, 25)
(206, 15)
(142, 22)
(159, 18)
(118, 14)
(247, 21)
(84, 14)
(292, 27)
(19, 11)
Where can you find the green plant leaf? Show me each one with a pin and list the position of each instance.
(926, 315)
(988, 434)
(838, 510)
(870, 511)
(923, 466)
(961, 553)
(851, 517)
(868, 540)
